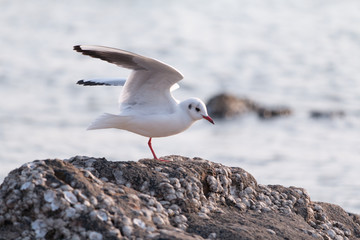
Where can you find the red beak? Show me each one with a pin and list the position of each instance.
(209, 119)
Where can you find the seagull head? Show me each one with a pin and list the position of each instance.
(197, 109)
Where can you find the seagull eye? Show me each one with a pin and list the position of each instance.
(197, 109)
(190, 106)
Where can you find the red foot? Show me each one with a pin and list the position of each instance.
(163, 160)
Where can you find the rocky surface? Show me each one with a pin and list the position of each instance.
(92, 198)
(226, 106)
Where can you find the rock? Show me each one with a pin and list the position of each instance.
(327, 114)
(267, 113)
(92, 198)
(228, 106)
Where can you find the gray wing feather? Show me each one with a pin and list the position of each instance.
(127, 59)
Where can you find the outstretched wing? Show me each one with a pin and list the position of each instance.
(112, 82)
(148, 87)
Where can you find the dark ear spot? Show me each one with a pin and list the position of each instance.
(190, 106)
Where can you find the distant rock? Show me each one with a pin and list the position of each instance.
(228, 106)
(267, 113)
(92, 198)
(327, 114)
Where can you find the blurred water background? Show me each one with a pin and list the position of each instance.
(302, 54)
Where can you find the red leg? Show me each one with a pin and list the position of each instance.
(152, 151)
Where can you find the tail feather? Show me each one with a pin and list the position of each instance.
(108, 120)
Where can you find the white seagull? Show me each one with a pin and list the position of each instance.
(147, 106)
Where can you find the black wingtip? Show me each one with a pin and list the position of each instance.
(81, 82)
(91, 83)
(77, 48)
(86, 83)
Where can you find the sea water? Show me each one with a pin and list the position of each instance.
(300, 54)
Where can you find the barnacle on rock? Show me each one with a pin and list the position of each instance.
(89, 198)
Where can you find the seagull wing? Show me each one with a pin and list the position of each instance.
(147, 89)
(112, 82)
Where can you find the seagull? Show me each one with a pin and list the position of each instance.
(147, 106)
